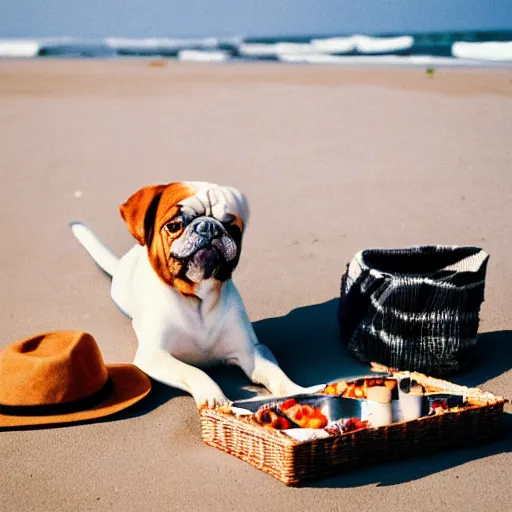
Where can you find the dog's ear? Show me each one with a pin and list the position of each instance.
(139, 212)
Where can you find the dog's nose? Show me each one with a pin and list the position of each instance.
(206, 229)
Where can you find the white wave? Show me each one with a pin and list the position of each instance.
(362, 44)
(395, 60)
(44, 46)
(334, 45)
(365, 44)
(494, 51)
(19, 48)
(158, 45)
(203, 56)
(311, 58)
(273, 50)
(257, 50)
(283, 48)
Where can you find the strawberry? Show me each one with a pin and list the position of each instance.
(284, 424)
(288, 404)
(307, 410)
(299, 415)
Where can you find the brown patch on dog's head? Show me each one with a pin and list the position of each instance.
(139, 209)
(142, 212)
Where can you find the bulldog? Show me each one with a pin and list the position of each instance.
(175, 284)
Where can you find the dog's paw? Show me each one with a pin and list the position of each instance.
(314, 389)
(210, 396)
(287, 388)
(290, 388)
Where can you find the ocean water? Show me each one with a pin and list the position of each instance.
(452, 49)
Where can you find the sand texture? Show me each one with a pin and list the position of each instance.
(332, 161)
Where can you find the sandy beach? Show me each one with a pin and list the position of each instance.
(333, 160)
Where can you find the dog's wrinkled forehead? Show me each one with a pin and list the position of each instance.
(215, 201)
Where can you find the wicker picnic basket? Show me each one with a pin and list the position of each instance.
(294, 462)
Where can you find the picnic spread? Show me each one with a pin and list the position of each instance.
(412, 314)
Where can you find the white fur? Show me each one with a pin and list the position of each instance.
(178, 334)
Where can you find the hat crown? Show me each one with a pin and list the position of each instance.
(51, 368)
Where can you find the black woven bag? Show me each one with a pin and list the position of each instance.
(413, 309)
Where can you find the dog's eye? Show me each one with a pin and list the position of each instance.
(174, 226)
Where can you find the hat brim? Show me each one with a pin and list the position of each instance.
(130, 385)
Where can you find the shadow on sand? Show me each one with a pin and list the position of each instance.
(306, 343)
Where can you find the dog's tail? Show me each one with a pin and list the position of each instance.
(99, 252)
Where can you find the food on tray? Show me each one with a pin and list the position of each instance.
(304, 416)
(438, 407)
(335, 389)
(357, 389)
(345, 426)
(367, 401)
(270, 418)
(354, 424)
(290, 414)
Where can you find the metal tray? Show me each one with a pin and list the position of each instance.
(333, 407)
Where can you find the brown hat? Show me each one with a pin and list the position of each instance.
(60, 377)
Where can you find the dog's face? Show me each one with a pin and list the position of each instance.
(192, 230)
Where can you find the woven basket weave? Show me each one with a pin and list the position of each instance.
(415, 309)
(294, 463)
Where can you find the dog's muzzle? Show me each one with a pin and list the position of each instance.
(205, 246)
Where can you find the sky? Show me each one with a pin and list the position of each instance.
(160, 18)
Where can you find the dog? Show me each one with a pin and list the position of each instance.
(176, 286)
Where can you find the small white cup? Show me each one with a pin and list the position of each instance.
(410, 404)
(378, 406)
